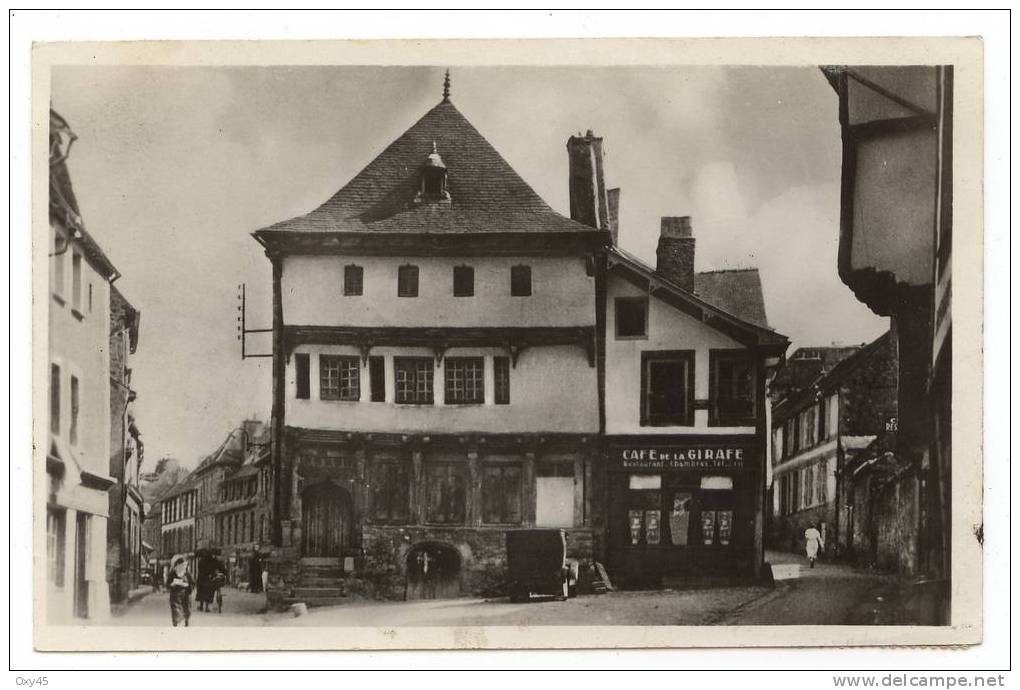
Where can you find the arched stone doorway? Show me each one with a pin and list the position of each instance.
(326, 521)
(433, 571)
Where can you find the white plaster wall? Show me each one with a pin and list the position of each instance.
(562, 294)
(552, 389)
(81, 347)
(668, 329)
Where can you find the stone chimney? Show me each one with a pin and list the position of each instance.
(674, 257)
(589, 203)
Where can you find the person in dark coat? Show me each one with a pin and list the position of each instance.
(255, 573)
(209, 567)
(180, 583)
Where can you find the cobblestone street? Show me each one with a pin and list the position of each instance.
(827, 594)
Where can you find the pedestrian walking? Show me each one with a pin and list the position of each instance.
(813, 543)
(211, 578)
(180, 584)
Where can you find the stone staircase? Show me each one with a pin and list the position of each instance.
(321, 583)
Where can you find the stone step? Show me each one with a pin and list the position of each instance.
(302, 592)
(316, 601)
(324, 561)
(317, 581)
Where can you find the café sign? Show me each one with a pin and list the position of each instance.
(684, 457)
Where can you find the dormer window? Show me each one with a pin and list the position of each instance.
(433, 179)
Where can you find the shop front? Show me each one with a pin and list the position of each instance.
(683, 506)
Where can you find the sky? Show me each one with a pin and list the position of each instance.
(175, 167)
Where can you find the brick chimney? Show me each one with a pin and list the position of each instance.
(589, 203)
(674, 257)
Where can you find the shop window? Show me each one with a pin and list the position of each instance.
(407, 281)
(554, 494)
(501, 380)
(301, 370)
(445, 491)
(667, 388)
(463, 281)
(520, 281)
(413, 378)
(680, 518)
(465, 380)
(501, 494)
(390, 490)
(643, 509)
(72, 432)
(56, 521)
(55, 398)
(631, 317)
(339, 378)
(377, 378)
(354, 280)
(732, 389)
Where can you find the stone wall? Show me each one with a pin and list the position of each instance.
(787, 532)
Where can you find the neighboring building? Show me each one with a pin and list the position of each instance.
(177, 522)
(687, 356)
(244, 506)
(895, 254)
(209, 477)
(434, 372)
(821, 434)
(154, 485)
(78, 420)
(124, 531)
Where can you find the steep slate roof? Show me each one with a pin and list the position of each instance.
(807, 364)
(736, 291)
(486, 194)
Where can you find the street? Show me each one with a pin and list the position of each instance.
(828, 594)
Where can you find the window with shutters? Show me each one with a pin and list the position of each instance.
(501, 380)
(391, 479)
(407, 281)
(339, 378)
(501, 494)
(353, 280)
(377, 378)
(445, 490)
(465, 380)
(667, 388)
(413, 377)
(732, 389)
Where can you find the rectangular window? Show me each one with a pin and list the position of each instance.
(377, 378)
(339, 378)
(501, 494)
(554, 494)
(76, 280)
(667, 388)
(55, 398)
(407, 281)
(58, 263)
(732, 389)
(501, 376)
(55, 540)
(391, 480)
(463, 281)
(445, 489)
(823, 421)
(465, 380)
(413, 378)
(353, 280)
(90, 298)
(301, 371)
(631, 317)
(822, 479)
(520, 281)
(73, 431)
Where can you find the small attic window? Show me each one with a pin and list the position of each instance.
(433, 179)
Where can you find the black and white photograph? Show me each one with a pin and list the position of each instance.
(439, 344)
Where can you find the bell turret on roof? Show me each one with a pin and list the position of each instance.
(486, 195)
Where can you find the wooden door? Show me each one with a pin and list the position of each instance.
(325, 521)
(433, 572)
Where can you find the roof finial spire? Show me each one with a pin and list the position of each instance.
(446, 86)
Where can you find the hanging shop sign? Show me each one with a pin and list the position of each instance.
(682, 457)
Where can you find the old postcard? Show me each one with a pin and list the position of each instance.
(504, 344)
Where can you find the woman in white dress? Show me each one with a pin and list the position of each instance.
(813, 542)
